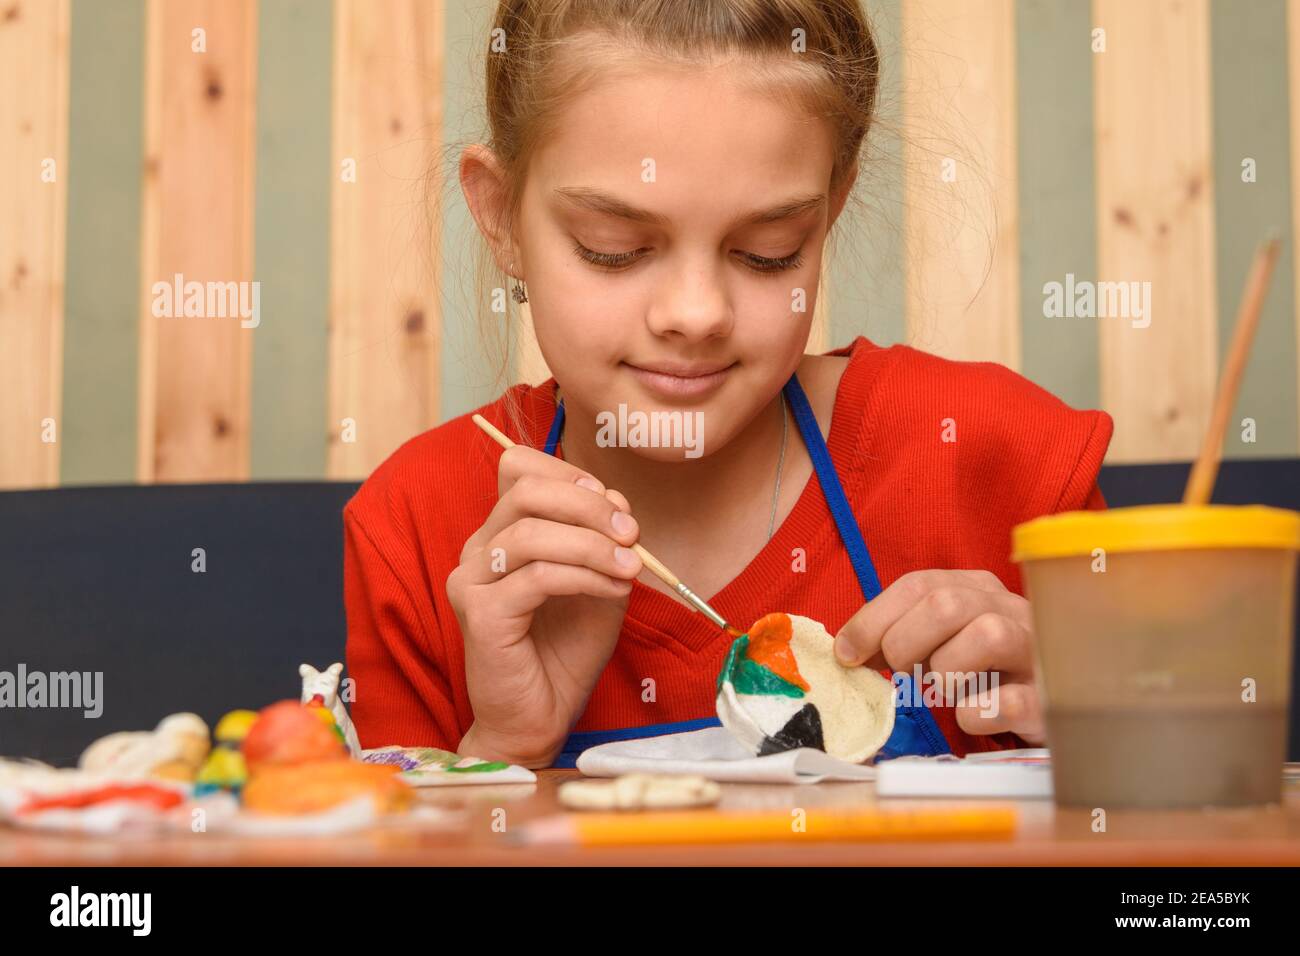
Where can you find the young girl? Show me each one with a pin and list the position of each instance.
(664, 175)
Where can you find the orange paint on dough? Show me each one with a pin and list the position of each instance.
(769, 645)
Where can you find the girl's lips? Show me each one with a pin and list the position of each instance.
(680, 386)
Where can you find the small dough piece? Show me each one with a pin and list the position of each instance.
(174, 750)
(640, 791)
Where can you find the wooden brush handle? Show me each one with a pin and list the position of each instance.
(1200, 483)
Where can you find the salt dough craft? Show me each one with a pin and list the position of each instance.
(640, 791)
(225, 768)
(38, 796)
(286, 733)
(325, 685)
(174, 750)
(781, 688)
(298, 764)
(319, 785)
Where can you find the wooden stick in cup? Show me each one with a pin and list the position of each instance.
(656, 566)
(1200, 484)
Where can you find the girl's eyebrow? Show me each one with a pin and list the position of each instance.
(594, 200)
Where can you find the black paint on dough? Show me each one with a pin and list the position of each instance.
(804, 729)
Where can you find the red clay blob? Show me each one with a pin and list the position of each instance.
(769, 645)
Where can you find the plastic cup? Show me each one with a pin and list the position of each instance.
(1163, 638)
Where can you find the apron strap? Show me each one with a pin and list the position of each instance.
(915, 729)
(557, 426)
(832, 489)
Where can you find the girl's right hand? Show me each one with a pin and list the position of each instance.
(540, 594)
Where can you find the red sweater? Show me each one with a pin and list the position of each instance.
(921, 502)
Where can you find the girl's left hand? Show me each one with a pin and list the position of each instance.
(953, 623)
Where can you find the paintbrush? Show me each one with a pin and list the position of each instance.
(657, 567)
(1200, 483)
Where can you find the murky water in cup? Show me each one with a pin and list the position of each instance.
(1178, 758)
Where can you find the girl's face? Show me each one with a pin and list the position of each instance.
(671, 236)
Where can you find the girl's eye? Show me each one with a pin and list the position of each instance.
(606, 260)
(616, 260)
(773, 266)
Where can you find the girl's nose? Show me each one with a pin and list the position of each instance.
(694, 304)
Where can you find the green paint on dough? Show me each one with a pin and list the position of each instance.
(485, 767)
(750, 677)
(754, 678)
(733, 653)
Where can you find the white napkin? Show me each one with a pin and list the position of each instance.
(715, 754)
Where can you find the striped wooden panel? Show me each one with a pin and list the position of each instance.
(33, 124)
(474, 366)
(865, 283)
(1058, 235)
(101, 322)
(1155, 223)
(384, 301)
(962, 240)
(971, 83)
(197, 222)
(1252, 200)
(291, 348)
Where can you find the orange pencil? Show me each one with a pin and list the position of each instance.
(710, 826)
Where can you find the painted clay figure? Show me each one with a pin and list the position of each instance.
(225, 768)
(299, 764)
(781, 687)
(287, 733)
(325, 685)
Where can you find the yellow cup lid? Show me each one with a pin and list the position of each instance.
(1156, 528)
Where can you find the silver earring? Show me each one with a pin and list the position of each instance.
(520, 291)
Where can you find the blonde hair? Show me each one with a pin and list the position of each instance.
(819, 55)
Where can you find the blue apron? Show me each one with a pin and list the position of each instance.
(915, 729)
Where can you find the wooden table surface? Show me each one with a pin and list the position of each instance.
(465, 837)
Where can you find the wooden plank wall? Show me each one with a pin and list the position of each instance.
(385, 310)
(1119, 164)
(34, 39)
(1155, 222)
(962, 242)
(197, 223)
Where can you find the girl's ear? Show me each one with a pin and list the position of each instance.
(482, 180)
